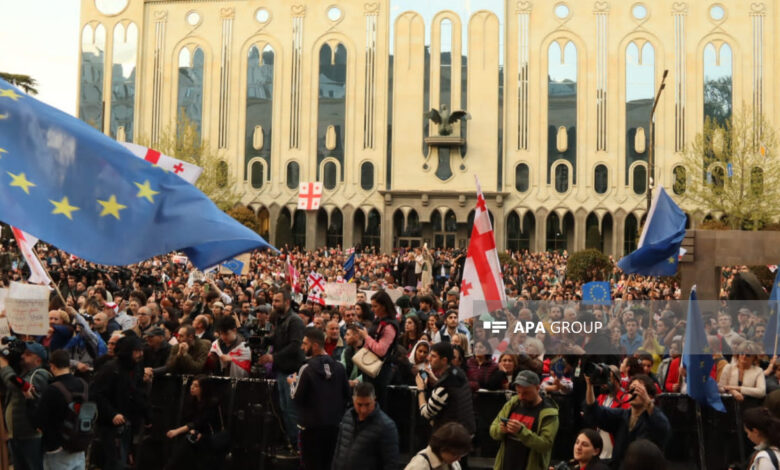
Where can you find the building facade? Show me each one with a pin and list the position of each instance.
(559, 95)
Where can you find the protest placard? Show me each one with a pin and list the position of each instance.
(340, 293)
(27, 308)
(395, 293)
(4, 329)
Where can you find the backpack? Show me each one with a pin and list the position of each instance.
(78, 428)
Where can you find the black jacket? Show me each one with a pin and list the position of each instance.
(460, 403)
(118, 388)
(52, 410)
(286, 340)
(368, 445)
(322, 392)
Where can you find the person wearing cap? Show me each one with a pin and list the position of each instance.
(526, 427)
(21, 393)
(123, 406)
(156, 352)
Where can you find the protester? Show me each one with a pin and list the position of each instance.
(587, 449)
(763, 430)
(744, 378)
(644, 454)
(229, 355)
(448, 444)
(189, 355)
(381, 340)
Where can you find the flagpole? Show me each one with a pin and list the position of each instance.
(700, 437)
(56, 287)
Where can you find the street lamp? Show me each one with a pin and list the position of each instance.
(651, 148)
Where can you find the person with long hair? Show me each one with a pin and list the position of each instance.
(447, 445)
(744, 378)
(763, 430)
(380, 339)
(502, 377)
(205, 442)
(412, 332)
(480, 366)
(644, 454)
(586, 452)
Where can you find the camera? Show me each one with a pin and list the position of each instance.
(599, 373)
(258, 346)
(562, 466)
(192, 437)
(12, 349)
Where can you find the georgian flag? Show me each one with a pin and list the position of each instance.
(309, 196)
(316, 288)
(482, 288)
(187, 171)
(26, 242)
(292, 276)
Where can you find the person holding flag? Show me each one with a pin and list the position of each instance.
(349, 266)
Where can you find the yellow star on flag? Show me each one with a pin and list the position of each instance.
(4, 116)
(21, 181)
(63, 207)
(111, 207)
(145, 190)
(671, 260)
(2, 150)
(9, 94)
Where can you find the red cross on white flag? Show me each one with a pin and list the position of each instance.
(187, 171)
(26, 242)
(482, 288)
(309, 196)
(316, 288)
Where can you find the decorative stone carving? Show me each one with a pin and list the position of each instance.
(161, 15)
(562, 140)
(758, 8)
(330, 138)
(227, 13)
(639, 140)
(257, 138)
(601, 7)
(524, 6)
(680, 8)
(371, 8)
(298, 10)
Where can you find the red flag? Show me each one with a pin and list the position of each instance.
(187, 171)
(292, 277)
(309, 196)
(482, 288)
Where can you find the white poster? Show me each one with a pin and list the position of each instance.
(27, 308)
(340, 293)
(4, 329)
(395, 293)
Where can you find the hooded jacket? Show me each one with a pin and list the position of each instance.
(321, 393)
(118, 387)
(538, 440)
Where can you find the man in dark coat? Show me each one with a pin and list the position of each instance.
(368, 438)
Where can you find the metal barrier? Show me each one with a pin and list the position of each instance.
(701, 437)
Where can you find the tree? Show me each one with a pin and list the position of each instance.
(246, 216)
(185, 143)
(734, 169)
(588, 265)
(25, 82)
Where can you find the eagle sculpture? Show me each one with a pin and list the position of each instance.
(445, 119)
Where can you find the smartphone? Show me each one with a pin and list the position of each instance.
(504, 420)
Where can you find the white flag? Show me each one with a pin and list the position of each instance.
(482, 288)
(26, 242)
(187, 171)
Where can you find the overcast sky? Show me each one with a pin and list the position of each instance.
(40, 38)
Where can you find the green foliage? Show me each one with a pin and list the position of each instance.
(748, 145)
(185, 143)
(245, 216)
(588, 265)
(25, 82)
(506, 259)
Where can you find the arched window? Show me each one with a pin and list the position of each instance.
(640, 179)
(367, 176)
(630, 234)
(123, 81)
(331, 106)
(257, 175)
(329, 175)
(372, 233)
(562, 105)
(293, 175)
(521, 177)
(93, 46)
(640, 91)
(190, 100)
(445, 64)
(259, 103)
(561, 178)
(334, 235)
(680, 180)
(222, 174)
(601, 179)
(718, 83)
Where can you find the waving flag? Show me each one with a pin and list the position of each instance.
(316, 288)
(659, 245)
(26, 243)
(482, 286)
(309, 196)
(596, 293)
(187, 171)
(292, 277)
(349, 266)
(701, 387)
(66, 183)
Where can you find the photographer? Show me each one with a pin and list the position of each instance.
(287, 356)
(20, 395)
(642, 421)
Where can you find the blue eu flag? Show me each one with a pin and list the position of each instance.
(66, 183)
(234, 265)
(349, 267)
(659, 245)
(773, 326)
(596, 293)
(697, 358)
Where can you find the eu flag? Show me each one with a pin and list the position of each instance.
(596, 293)
(773, 326)
(234, 265)
(659, 245)
(697, 358)
(66, 183)
(349, 267)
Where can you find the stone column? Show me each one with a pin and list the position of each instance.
(541, 230)
(311, 230)
(580, 226)
(273, 219)
(618, 234)
(386, 230)
(499, 230)
(348, 232)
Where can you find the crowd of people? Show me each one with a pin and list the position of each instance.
(113, 330)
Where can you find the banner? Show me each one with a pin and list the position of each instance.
(340, 293)
(27, 309)
(4, 329)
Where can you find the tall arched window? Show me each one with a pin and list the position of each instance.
(601, 179)
(329, 175)
(561, 178)
(640, 179)
(640, 92)
(367, 176)
(562, 105)
(718, 83)
(445, 64)
(123, 81)
(680, 180)
(630, 234)
(331, 104)
(259, 103)
(93, 46)
(257, 175)
(334, 234)
(293, 175)
(521, 177)
(190, 100)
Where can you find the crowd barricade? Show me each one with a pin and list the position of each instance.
(249, 412)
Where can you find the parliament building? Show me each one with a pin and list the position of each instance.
(558, 96)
